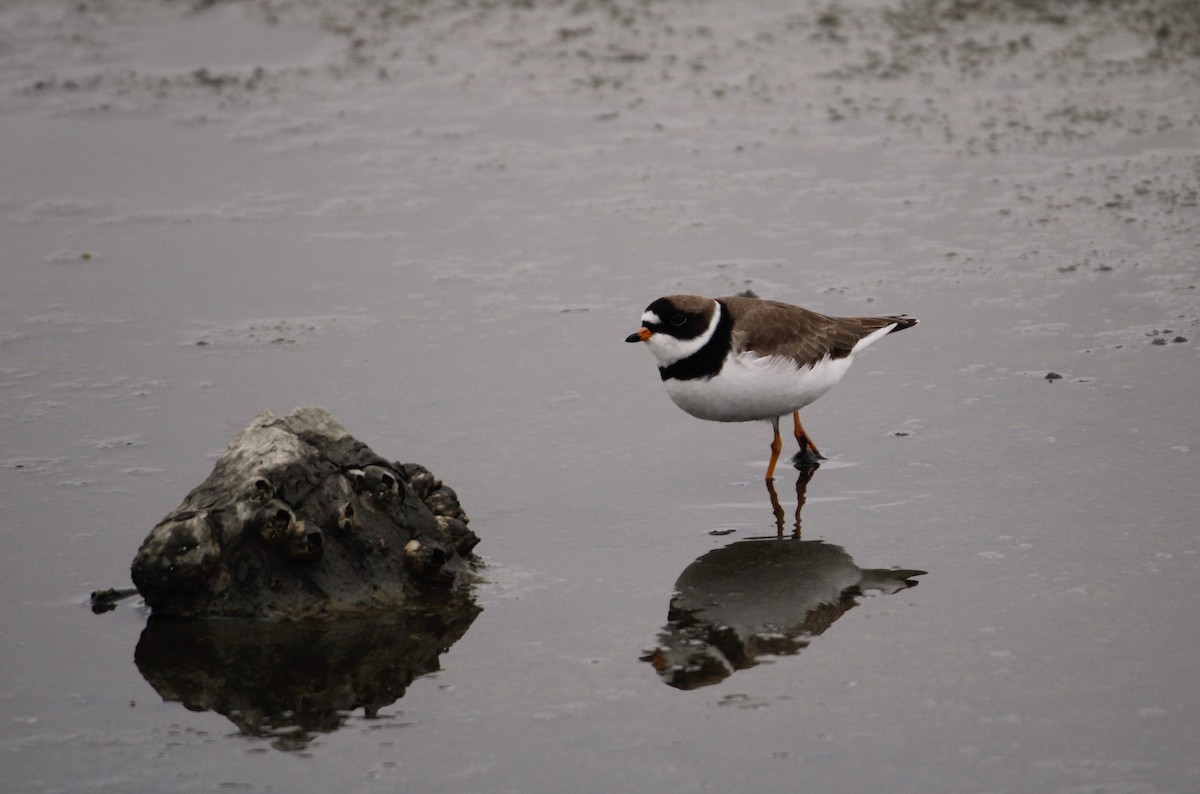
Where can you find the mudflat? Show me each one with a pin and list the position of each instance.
(439, 221)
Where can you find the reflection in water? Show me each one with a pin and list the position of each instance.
(803, 478)
(291, 680)
(766, 596)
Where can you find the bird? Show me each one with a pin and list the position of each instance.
(744, 359)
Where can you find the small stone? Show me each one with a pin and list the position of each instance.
(1053, 376)
(1179, 339)
(1158, 340)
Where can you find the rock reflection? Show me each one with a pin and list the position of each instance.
(290, 681)
(760, 597)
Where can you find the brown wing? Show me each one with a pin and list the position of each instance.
(806, 336)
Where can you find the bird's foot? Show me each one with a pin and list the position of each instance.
(807, 458)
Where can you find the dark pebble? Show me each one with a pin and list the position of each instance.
(1053, 376)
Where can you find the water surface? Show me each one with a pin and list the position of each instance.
(440, 222)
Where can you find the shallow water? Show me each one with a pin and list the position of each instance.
(443, 233)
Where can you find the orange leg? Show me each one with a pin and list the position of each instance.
(776, 447)
(802, 437)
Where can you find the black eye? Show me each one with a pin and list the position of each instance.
(678, 319)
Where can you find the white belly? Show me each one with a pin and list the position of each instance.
(749, 388)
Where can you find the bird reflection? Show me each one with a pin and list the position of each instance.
(760, 597)
(804, 476)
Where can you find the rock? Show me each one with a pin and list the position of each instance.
(299, 518)
(106, 600)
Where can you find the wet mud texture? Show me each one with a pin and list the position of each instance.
(908, 62)
(451, 212)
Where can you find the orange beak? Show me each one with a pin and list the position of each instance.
(640, 336)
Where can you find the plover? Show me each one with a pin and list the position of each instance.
(741, 359)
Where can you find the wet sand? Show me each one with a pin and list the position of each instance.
(441, 222)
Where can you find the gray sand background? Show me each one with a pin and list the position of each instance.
(439, 220)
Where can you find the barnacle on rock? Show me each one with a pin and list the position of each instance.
(298, 518)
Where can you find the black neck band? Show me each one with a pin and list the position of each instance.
(708, 360)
